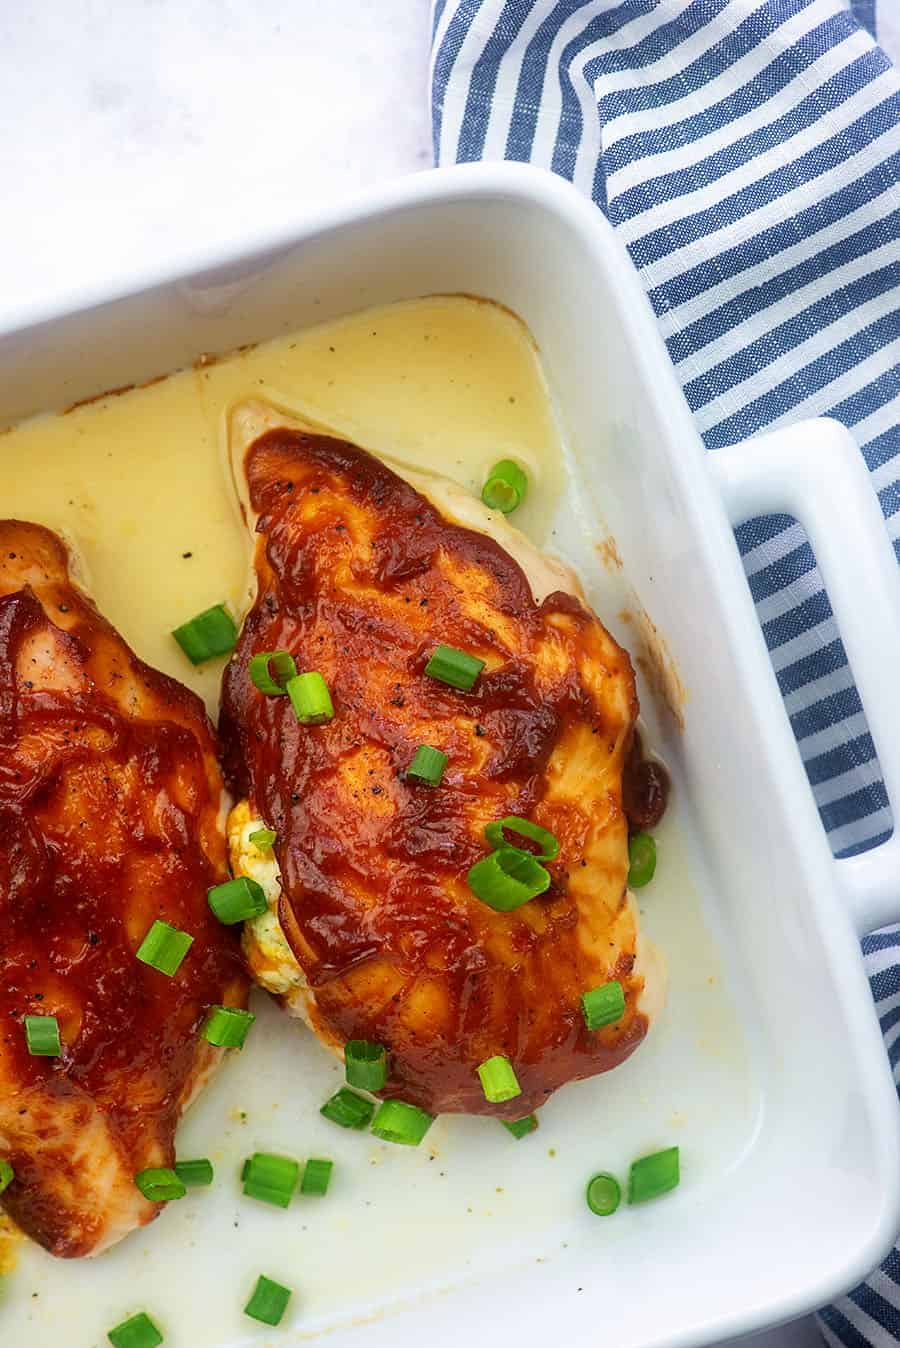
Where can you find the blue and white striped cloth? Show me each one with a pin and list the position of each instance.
(748, 153)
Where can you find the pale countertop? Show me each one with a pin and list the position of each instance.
(131, 130)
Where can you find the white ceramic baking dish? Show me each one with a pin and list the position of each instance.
(811, 1200)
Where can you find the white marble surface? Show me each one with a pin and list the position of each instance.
(134, 128)
(130, 130)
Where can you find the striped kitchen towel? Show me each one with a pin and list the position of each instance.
(748, 153)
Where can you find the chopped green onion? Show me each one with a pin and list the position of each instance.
(227, 1026)
(603, 1194)
(655, 1175)
(160, 1184)
(504, 487)
(270, 672)
(271, 1179)
(642, 860)
(521, 1127)
(366, 1064)
(348, 1109)
(316, 1177)
(498, 1080)
(138, 1332)
(268, 1302)
(310, 698)
(448, 665)
(399, 1122)
(548, 842)
(7, 1175)
(211, 633)
(262, 838)
(428, 765)
(195, 1174)
(604, 1005)
(42, 1036)
(507, 878)
(237, 900)
(164, 948)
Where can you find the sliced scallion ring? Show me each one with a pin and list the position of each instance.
(365, 1064)
(316, 1177)
(654, 1175)
(270, 672)
(269, 1178)
(507, 878)
(211, 633)
(263, 838)
(138, 1331)
(427, 765)
(603, 1194)
(348, 1109)
(310, 698)
(195, 1174)
(641, 859)
(603, 1006)
(160, 1184)
(164, 948)
(453, 667)
(520, 1127)
(505, 486)
(227, 1026)
(238, 900)
(498, 1080)
(42, 1036)
(268, 1302)
(399, 1122)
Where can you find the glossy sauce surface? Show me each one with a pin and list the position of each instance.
(81, 841)
(109, 797)
(360, 577)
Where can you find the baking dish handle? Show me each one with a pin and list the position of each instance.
(815, 472)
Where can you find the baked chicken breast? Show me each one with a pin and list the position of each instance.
(112, 817)
(373, 932)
